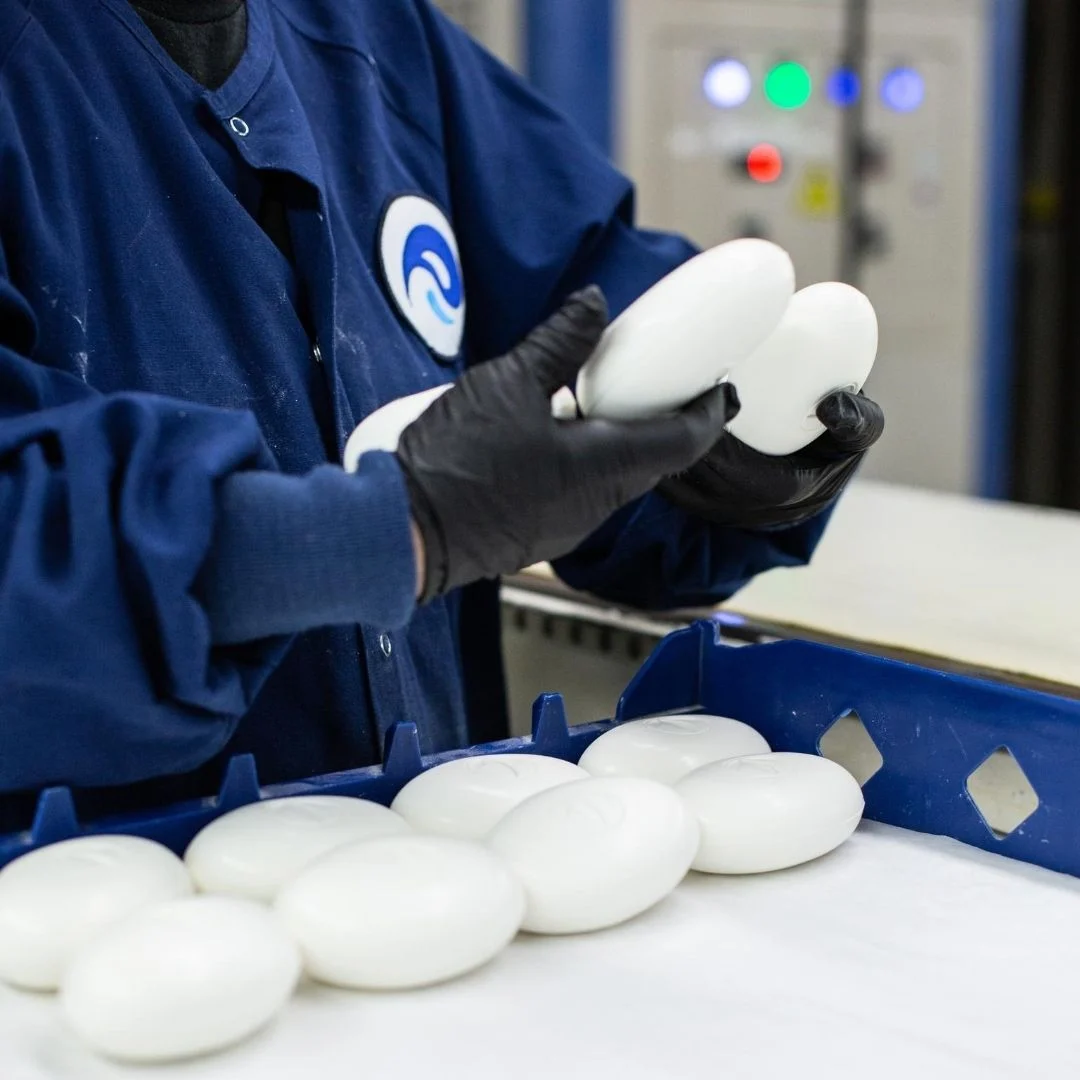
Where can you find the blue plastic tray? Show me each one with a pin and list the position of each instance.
(933, 730)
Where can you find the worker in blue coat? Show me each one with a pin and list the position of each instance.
(231, 229)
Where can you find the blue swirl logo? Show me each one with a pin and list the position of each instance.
(427, 249)
(422, 269)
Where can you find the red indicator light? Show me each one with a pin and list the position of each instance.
(765, 164)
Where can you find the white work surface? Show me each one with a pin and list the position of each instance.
(964, 584)
(992, 585)
(900, 956)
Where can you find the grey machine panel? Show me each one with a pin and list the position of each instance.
(925, 193)
(496, 24)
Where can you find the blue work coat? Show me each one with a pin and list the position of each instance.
(152, 345)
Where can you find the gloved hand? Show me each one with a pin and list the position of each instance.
(497, 483)
(737, 486)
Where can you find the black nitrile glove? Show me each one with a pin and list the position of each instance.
(497, 483)
(737, 486)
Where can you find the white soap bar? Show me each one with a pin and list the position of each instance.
(688, 332)
(595, 853)
(402, 912)
(667, 748)
(181, 979)
(55, 899)
(826, 341)
(564, 404)
(468, 797)
(252, 852)
(769, 812)
(382, 429)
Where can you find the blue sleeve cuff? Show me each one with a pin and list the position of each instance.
(293, 553)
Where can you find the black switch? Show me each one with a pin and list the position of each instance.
(871, 237)
(872, 159)
(751, 227)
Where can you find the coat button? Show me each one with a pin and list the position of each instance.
(239, 125)
(386, 645)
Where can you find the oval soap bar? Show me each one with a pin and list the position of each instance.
(55, 899)
(181, 979)
(597, 852)
(468, 797)
(382, 429)
(688, 332)
(769, 812)
(402, 912)
(252, 852)
(666, 748)
(826, 341)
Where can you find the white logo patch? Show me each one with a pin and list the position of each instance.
(422, 267)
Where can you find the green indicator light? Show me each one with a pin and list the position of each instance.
(788, 86)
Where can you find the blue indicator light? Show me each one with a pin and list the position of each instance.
(903, 90)
(843, 88)
(727, 84)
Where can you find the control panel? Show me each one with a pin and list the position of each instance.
(731, 120)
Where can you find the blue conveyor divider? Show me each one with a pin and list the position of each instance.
(933, 731)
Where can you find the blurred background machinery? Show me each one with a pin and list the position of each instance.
(498, 24)
(872, 140)
(1047, 385)
(877, 140)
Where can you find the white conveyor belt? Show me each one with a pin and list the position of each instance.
(900, 956)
